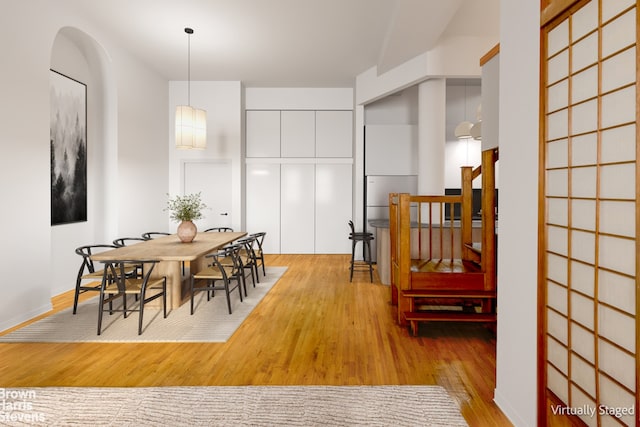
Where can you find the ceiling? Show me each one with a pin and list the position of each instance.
(313, 43)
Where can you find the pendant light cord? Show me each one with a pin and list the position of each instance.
(189, 31)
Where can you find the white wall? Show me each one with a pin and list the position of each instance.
(129, 167)
(516, 369)
(24, 164)
(223, 103)
(68, 59)
(453, 57)
(142, 152)
(278, 98)
(401, 108)
(133, 105)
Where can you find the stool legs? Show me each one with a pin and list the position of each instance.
(369, 260)
(353, 258)
(366, 252)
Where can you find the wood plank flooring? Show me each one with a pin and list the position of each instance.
(313, 328)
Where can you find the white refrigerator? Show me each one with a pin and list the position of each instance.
(377, 192)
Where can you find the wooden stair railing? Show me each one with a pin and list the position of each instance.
(416, 247)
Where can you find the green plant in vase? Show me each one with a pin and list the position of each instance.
(186, 209)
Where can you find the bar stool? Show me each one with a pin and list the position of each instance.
(366, 263)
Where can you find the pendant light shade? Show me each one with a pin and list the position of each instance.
(476, 131)
(191, 128)
(463, 130)
(191, 123)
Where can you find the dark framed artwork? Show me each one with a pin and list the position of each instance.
(68, 139)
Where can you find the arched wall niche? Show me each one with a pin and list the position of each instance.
(79, 56)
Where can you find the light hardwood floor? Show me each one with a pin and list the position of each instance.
(313, 328)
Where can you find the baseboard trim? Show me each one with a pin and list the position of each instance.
(7, 325)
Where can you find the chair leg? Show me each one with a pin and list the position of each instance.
(192, 294)
(75, 298)
(253, 276)
(164, 297)
(124, 305)
(100, 310)
(242, 280)
(210, 292)
(226, 288)
(239, 286)
(255, 267)
(141, 312)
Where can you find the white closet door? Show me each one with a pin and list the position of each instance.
(333, 208)
(298, 133)
(334, 133)
(263, 203)
(263, 134)
(297, 209)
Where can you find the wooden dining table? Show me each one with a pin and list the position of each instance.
(172, 254)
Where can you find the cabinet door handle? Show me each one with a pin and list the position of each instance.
(224, 214)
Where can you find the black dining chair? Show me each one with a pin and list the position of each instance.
(126, 241)
(225, 268)
(154, 234)
(248, 260)
(219, 229)
(88, 271)
(258, 251)
(116, 283)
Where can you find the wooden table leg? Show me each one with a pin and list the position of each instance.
(172, 270)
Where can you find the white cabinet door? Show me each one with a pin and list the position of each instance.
(263, 203)
(333, 208)
(298, 133)
(334, 133)
(263, 134)
(297, 209)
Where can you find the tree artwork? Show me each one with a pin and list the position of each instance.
(68, 139)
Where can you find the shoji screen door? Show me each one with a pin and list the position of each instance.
(589, 211)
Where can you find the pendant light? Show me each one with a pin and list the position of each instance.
(476, 129)
(191, 123)
(463, 130)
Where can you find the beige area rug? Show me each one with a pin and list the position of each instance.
(232, 406)
(211, 321)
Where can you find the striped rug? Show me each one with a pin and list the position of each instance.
(211, 321)
(233, 406)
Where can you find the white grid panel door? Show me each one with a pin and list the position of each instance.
(590, 207)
